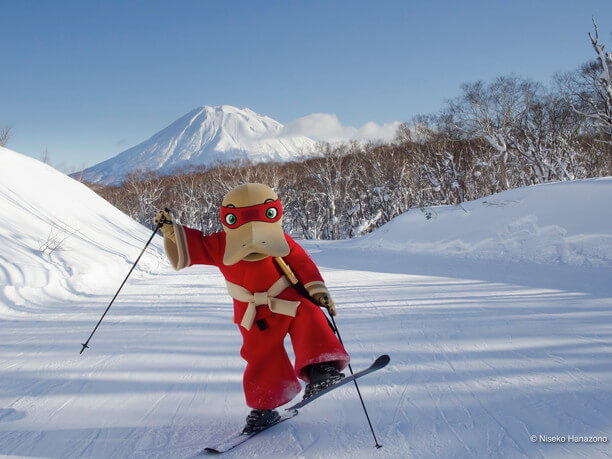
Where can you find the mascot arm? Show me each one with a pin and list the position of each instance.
(304, 268)
(192, 247)
(308, 274)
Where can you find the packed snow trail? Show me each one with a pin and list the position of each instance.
(484, 355)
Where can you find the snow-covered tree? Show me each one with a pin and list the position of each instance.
(589, 89)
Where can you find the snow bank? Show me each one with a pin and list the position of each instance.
(59, 238)
(560, 223)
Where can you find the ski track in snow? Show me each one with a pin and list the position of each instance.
(483, 355)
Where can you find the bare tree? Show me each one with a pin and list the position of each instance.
(604, 115)
(45, 157)
(589, 89)
(57, 236)
(146, 189)
(490, 112)
(5, 135)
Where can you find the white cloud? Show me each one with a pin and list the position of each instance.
(327, 127)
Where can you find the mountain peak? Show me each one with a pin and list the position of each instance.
(205, 136)
(227, 109)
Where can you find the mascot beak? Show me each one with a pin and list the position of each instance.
(251, 233)
(254, 241)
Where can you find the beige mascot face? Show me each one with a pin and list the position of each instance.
(251, 215)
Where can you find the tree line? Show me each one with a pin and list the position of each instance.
(496, 135)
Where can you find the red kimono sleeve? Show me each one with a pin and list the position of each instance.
(204, 249)
(192, 247)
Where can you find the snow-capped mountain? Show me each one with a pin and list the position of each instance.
(203, 137)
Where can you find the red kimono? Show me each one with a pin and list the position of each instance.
(269, 379)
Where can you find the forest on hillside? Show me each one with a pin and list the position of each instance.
(496, 135)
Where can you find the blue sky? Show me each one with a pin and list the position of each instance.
(88, 79)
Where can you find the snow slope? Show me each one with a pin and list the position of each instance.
(486, 352)
(204, 137)
(563, 222)
(59, 239)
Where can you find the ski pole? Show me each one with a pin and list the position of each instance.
(85, 344)
(378, 445)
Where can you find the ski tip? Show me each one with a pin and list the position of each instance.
(211, 451)
(382, 360)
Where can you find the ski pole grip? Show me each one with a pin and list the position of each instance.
(164, 221)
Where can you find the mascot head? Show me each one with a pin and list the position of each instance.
(251, 215)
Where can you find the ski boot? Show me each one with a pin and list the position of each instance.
(321, 375)
(260, 419)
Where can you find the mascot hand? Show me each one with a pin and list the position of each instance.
(163, 217)
(324, 300)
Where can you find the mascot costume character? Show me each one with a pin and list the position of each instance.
(253, 252)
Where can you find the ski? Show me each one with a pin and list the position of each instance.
(379, 363)
(292, 411)
(239, 438)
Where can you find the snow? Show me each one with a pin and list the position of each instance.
(563, 222)
(487, 347)
(205, 136)
(59, 238)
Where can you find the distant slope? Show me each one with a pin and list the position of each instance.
(564, 222)
(204, 137)
(58, 237)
